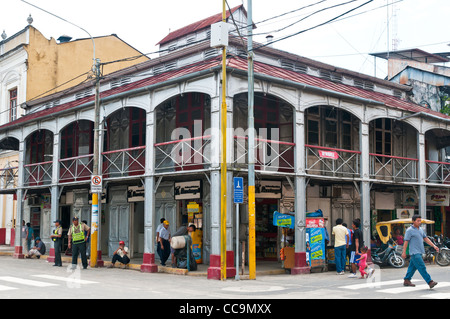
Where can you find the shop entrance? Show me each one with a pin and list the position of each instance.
(137, 230)
(266, 232)
(191, 212)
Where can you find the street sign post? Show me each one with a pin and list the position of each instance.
(238, 197)
(238, 192)
(96, 184)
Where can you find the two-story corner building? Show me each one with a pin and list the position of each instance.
(327, 138)
(32, 66)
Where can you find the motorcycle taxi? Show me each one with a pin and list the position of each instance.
(390, 251)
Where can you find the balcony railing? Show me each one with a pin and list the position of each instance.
(78, 168)
(185, 154)
(8, 177)
(438, 172)
(124, 162)
(333, 162)
(38, 173)
(270, 155)
(393, 168)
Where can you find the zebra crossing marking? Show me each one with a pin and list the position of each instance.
(4, 288)
(375, 284)
(439, 295)
(27, 282)
(399, 290)
(67, 279)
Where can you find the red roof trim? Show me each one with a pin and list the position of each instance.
(239, 64)
(196, 26)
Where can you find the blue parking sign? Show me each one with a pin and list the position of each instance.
(238, 190)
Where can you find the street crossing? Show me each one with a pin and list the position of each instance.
(395, 287)
(41, 281)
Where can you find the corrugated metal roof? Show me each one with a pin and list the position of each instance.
(238, 64)
(156, 79)
(197, 26)
(278, 72)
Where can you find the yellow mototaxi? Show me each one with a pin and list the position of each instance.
(384, 229)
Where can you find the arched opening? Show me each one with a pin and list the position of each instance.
(393, 150)
(76, 151)
(182, 138)
(124, 145)
(9, 167)
(38, 158)
(437, 150)
(274, 132)
(332, 142)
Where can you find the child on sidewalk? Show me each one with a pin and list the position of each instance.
(363, 264)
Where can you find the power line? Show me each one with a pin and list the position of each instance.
(314, 27)
(306, 17)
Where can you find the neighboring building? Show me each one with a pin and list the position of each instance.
(347, 143)
(430, 82)
(31, 67)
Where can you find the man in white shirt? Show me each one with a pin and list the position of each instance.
(120, 255)
(340, 245)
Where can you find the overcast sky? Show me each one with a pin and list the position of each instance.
(142, 23)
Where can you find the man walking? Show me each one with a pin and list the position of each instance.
(77, 236)
(340, 233)
(415, 236)
(57, 240)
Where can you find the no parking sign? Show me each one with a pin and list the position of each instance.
(96, 184)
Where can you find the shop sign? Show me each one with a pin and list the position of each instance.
(283, 220)
(403, 213)
(268, 189)
(329, 154)
(409, 199)
(315, 222)
(188, 190)
(135, 193)
(437, 197)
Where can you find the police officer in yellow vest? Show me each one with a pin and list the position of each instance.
(56, 236)
(77, 241)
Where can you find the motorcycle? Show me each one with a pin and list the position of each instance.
(389, 256)
(442, 257)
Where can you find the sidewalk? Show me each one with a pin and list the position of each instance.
(262, 268)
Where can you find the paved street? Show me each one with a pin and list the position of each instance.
(33, 279)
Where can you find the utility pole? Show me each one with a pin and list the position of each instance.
(95, 170)
(223, 164)
(95, 167)
(251, 149)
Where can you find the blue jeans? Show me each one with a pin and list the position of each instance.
(416, 263)
(339, 257)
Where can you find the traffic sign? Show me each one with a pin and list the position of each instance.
(238, 190)
(96, 184)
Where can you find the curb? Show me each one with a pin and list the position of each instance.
(162, 269)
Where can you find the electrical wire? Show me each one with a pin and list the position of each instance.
(314, 27)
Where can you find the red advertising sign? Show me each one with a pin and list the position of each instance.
(315, 222)
(328, 154)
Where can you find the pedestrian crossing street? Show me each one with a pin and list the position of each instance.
(394, 287)
(40, 281)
